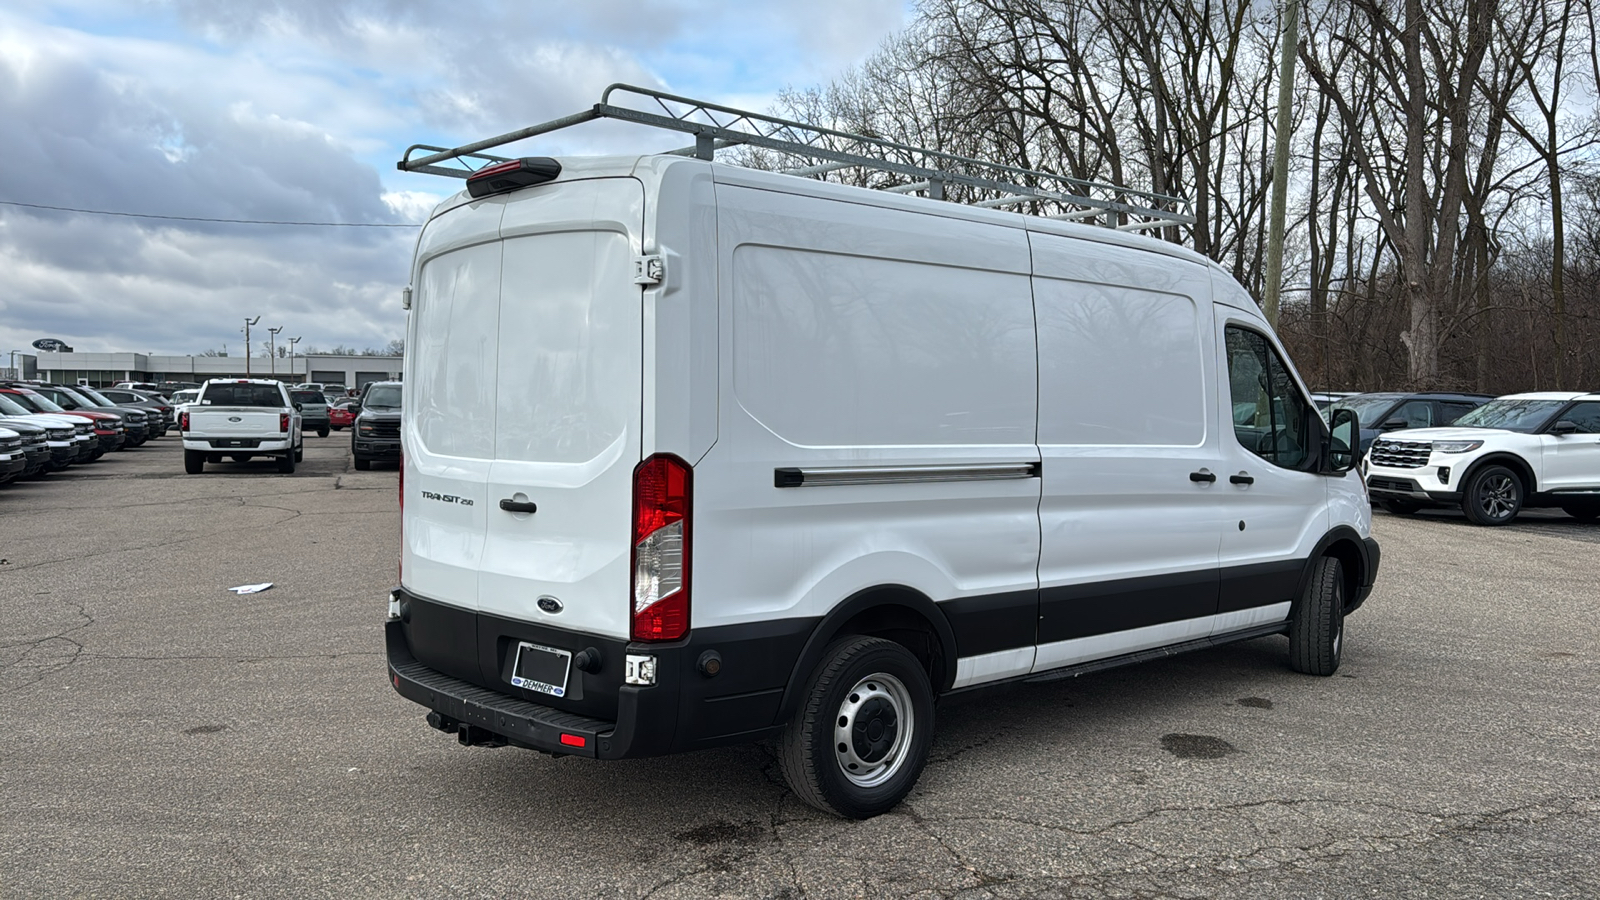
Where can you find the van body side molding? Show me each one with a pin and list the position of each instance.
(793, 478)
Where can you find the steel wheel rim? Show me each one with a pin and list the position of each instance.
(872, 730)
(1497, 496)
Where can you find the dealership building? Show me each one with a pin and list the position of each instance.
(106, 369)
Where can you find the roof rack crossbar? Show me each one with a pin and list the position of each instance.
(814, 150)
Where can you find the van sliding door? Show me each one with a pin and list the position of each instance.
(1130, 523)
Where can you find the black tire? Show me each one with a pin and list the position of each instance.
(194, 462)
(286, 463)
(1583, 512)
(215, 458)
(1493, 496)
(1316, 625)
(338, 427)
(1401, 507)
(875, 693)
(323, 431)
(363, 464)
(300, 453)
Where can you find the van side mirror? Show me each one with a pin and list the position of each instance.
(1564, 428)
(1343, 440)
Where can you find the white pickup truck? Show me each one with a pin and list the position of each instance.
(241, 418)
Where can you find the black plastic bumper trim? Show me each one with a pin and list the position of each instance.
(528, 724)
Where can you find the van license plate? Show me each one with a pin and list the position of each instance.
(540, 668)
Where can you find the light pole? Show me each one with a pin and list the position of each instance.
(247, 324)
(1280, 163)
(272, 348)
(292, 342)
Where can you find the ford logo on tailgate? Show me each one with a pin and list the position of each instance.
(549, 604)
(235, 419)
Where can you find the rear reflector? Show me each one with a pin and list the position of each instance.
(512, 174)
(573, 740)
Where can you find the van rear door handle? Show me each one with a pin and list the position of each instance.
(1241, 478)
(521, 506)
(1202, 476)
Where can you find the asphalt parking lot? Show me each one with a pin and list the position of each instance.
(165, 737)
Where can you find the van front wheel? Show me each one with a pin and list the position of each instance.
(1316, 624)
(861, 736)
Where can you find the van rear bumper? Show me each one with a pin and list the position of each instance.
(639, 730)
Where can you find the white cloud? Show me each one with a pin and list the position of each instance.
(296, 110)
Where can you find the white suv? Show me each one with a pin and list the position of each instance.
(1523, 450)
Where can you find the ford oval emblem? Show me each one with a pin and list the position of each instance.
(550, 604)
(235, 419)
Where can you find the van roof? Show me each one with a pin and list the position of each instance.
(655, 170)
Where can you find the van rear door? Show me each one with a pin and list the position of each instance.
(526, 388)
(568, 411)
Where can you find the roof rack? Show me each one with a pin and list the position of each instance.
(814, 151)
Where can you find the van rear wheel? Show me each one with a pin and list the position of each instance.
(1316, 624)
(861, 736)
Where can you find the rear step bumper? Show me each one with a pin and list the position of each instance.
(471, 711)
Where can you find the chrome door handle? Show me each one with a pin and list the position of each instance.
(518, 506)
(1202, 476)
(1241, 478)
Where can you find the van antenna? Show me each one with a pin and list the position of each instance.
(813, 151)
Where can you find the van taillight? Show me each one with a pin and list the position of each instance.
(283, 422)
(661, 493)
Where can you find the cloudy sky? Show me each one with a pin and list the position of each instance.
(296, 110)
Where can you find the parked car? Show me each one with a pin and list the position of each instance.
(181, 400)
(1391, 411)
(313, 410)
(167, 388)
(67, 438)
(1510, 454)
(860, 452)
(109, 430)
(163, 416)
(307, 386)
(137, 386)
(377, 425)
(340, 413)
(241, 419)
(13, 460)
(135, 421)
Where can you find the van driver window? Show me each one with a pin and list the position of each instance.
(1269, 414)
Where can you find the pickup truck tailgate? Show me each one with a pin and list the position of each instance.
(227, 421)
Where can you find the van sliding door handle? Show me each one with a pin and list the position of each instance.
(521, 506)
(1202, 476)
(1241, 478)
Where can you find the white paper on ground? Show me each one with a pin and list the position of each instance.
(251, 588)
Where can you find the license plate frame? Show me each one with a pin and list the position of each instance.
(534, 667)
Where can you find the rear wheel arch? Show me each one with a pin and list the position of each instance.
(894, 612)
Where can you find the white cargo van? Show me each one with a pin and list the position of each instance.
(696, 454)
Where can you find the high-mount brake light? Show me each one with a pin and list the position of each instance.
(662, 488)
(512, 174)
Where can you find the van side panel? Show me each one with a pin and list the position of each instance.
(878, 341)
(680, 314)
(1126, 414)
